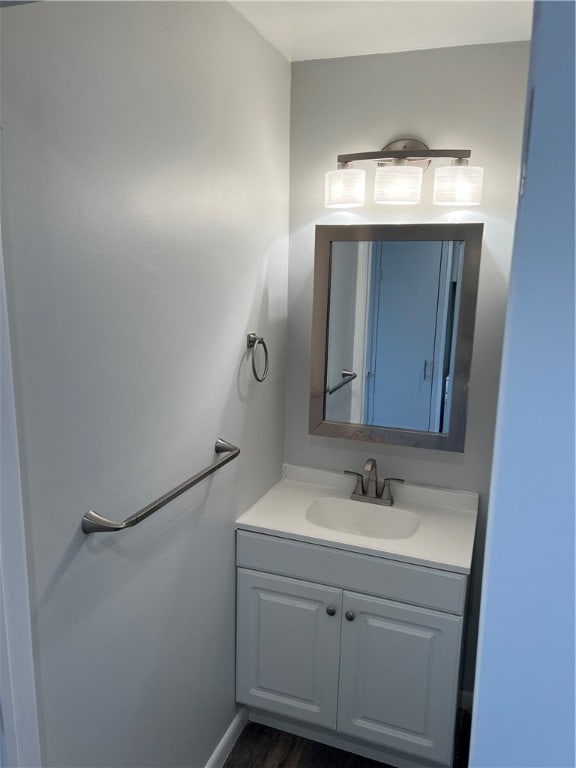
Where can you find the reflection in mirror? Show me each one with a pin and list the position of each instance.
(391, 332)
(393, 318)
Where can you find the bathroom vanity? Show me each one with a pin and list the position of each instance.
(350, 615)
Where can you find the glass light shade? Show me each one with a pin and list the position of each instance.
(344, 188)
(458, 185)
(398, 184)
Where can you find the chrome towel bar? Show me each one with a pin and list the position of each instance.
(92, 522)
(347, 377)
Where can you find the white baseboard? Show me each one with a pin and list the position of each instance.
(466, 700)
(218, 757)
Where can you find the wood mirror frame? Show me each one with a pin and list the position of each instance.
(453, 439)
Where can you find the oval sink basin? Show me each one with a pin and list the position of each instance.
(363, 518)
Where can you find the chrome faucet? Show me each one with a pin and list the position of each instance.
(369, 490)
(372, 489)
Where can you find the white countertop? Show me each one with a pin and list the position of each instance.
(444, 539)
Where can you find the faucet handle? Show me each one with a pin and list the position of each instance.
(386, 495)
(359, 489)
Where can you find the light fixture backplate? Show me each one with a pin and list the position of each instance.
(401, 144)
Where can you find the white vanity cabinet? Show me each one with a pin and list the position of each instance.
(365, 647)
(399, 675)
(288, 647)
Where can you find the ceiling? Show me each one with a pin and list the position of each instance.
(324, 29)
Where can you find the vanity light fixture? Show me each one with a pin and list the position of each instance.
(458, 184)
(401, 165)
(345, 187)
(398, 183)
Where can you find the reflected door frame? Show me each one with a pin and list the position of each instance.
(407, 299)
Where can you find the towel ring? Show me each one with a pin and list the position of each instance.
(252, 342)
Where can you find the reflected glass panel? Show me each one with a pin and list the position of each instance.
(392, 329)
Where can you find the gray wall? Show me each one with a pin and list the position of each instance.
(469, 97)
(524, 714)
(145, 179)
(19, 738)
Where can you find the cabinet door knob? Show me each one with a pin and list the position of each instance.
(350, 615)
(331, 610)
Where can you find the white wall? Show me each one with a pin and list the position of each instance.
(145, 178)
(524, 714)
(469, 97)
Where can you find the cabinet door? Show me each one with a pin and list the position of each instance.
(288, 646)
(399, 676)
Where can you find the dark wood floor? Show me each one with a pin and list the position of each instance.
(263, 747)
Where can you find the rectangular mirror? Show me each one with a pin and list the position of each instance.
(392, 332)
